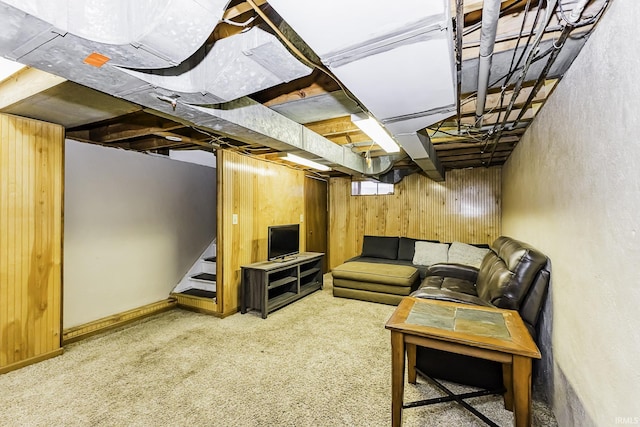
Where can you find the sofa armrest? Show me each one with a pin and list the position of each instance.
(459, 271)
(451, 296)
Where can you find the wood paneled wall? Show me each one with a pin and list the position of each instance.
(261, 194)
(465, 207)
(31, 200)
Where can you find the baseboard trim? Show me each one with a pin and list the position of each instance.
(30, 361)
(80, 332)
(197, 304)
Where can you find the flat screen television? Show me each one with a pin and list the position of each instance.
(284, 240)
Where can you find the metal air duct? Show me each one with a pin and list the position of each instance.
(233, 67)
(400, 66)
(36, 42)
(136, 34)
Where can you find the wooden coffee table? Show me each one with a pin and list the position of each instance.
(483, 332)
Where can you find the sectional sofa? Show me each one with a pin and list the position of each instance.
(390, 268)
(510, 274)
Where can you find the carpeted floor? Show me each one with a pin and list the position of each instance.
(321, 361)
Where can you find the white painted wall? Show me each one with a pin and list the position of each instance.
(572, 189)
(133, 225)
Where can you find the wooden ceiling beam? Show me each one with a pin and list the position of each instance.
(445, 132)
(443, 147)
(356, 138)
(463, 164)
(493, 99)
(334, 127)
(473, 51)
(134, 131)
(240, 8)
(472, 9)
(153, 143)
(185, 139)
(128, 128)
(25, 83)
(444, 156)
(470, 157)
(315, 84)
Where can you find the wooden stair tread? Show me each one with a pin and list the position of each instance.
(199, 293)
(205, 276)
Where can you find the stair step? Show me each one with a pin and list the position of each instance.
(205, 276)
(199, 293)
(210, 259)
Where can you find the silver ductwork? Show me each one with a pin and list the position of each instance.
(239, 65)
(135, 34)
(249, 121)
(150, 62)
(400, 66)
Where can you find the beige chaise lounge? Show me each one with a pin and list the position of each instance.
(376, 282)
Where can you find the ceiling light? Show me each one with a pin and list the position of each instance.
(304, 162)
(376, 132)
(173, 138)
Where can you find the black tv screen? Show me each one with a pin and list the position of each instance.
(284, 240)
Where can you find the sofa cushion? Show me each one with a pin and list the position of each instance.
(407, 247)
(428, 253)
(462, 253)
(364, 295)
(422, 269)
(380, 247)
(372, 287)
(450, 283)
(447, 295)
(388, 274)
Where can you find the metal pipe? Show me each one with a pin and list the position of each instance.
(490, 16)
(459, 28)
(551, 6)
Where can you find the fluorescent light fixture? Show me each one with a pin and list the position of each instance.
(376, 132)
(304, 162)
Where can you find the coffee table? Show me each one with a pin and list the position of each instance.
(482, 332)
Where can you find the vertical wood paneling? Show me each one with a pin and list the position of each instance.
(31, 188)
(261, 193)
(465, 207)
(316, 214)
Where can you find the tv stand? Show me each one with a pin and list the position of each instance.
(285, 259)
(270, 285)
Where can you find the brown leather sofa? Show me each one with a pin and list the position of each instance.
(513, 275)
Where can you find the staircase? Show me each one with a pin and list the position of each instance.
(197, 289)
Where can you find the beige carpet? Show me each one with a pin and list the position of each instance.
(321, 361)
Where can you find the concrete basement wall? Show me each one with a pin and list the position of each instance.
(572, 189)
(133, 225)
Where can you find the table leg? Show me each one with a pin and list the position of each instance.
(411, 363)
(243, 293)
(522, 390)
(397, 377)
(507, 380)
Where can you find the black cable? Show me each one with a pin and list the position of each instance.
(513, 57)
(521, 78)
